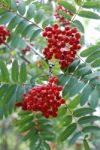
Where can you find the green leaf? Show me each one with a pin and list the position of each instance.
(86, 145)
(96, 63)
(4, 71)
(90, 50)
(92, 4)
(15, 71)
(39, 15)
(66, 120)
(21, 7)
(9, 94)
(94, 98)
(74, 137)
(46, 146)
(45, 23)
(73, 65)
(78, 2)
(93, 75)
(27, 127)
(91, 129)
(93, 57)
(65, 15)
(76, 88)
(78, 24)
(21, 26)
(73, 104)
(88, 14)
(15, 21)
(17, 42)
(28, 30)
(35, 34)
(3, 88)
(68, 86)
(83, 111)
(13, 5)
(68, 6)
(85, 70)
(85, 94)
(30, 11)
(23, 73)
(88, 119)
(67, 132)
(6, 17)
(63, 79)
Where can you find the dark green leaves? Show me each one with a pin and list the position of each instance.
(21, 7)
(88, 119)
(65, 15)
(13, 5)
(94, 98)
(78, 24)
(4, 72)
(68, 6)
(38, 16)
(91, 129)
(8, 95)
(92, 4)
(37, 136)
(23, 73)
(85, 94)
(35, 34)
(90, 50)
(83, 111)
(15, 71)
(86, 145)
(30, 11)
(88, 14)
(67, 132)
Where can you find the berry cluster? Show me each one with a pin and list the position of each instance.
(4, 33)
(44, 98)
(27, 49)
(60, 17)
(62, 43)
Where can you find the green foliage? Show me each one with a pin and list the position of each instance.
(88, 14)
(67, 132)
(86, 145)
(36, 129)
(68, 6)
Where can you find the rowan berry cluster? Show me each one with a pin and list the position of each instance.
(44, 98)
(4, 33)
(27, 49)
(60, 17)
(61, 43)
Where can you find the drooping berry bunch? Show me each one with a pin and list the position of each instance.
(61, 43)
(4, 33)
(27, 49)
(43, 98)
(60, 17)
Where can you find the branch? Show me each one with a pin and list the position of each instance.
(86, 63)
(33, 23)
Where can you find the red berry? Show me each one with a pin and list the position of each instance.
(55, 26)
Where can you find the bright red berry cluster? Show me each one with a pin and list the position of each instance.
(62, 43)
(27, 49)
(44, 98)
(4, 33)
(60, 17)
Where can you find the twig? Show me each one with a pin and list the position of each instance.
(25, 59)
(86, 63)
(35, 51)
(22, 57)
